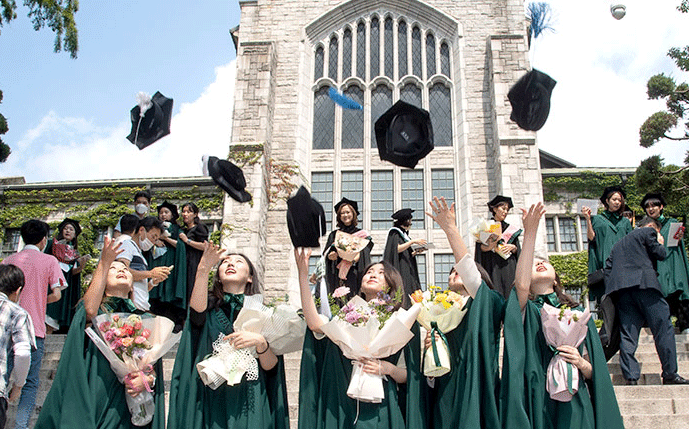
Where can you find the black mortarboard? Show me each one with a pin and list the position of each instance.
(347, 201)
(530, 100)
(652, 196)
(611, 190)
(154, 125)
(404, 134)
(403, 214)
(228, 176)
(305, 219)
(500, 199)
(75, 224)
(171, 207)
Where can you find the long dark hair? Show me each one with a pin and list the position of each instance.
(392, 278)
(251, 288)
(195, 210)
(60, 236)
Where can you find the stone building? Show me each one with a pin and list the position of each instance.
(455, 59)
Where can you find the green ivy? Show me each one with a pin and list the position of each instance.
(572, 269)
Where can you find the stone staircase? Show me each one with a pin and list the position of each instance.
(648, 405)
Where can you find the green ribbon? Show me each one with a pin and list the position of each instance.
(570, 387)
(434, 347)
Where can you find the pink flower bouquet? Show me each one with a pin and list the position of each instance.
(369, 330)
(132, 344)
(563, 327)
(347, 247)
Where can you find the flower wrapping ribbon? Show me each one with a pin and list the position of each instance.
(439, 364)
(570, 376)
(145, 371)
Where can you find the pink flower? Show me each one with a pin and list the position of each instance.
(115, 318)
(140, 340)
(146, 333)
(108, 336)
(137, 325)
(352, 317)
(104, 326)
(127, 341)
(341, 291)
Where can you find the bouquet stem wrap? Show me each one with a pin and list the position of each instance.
(370, 341)
(563, 327)
(347, 247)
(436, 360)
(161, 338)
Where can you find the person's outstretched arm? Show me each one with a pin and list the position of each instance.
(522, 280)
(313, 320)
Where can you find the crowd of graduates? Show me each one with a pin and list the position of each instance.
(145, 269)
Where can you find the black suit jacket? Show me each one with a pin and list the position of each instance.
(632, 261)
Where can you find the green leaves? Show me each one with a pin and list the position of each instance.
(656, 127)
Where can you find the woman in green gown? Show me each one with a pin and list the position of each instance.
(86, 393)
(326, 372)
(466, 397)
(673, 271)
(604, 230)
(169, 297)
(526, 402)
(257, 404)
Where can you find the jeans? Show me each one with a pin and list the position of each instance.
(27, 401)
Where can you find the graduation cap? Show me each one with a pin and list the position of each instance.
(171, 207)
(74, 223)
(404, 134)
(530, 100)
(347, 201)
(305, 219)
(500, 199)
(154, 123)
(609, 190)
(652, 196)
(228, 176)
(403, 214)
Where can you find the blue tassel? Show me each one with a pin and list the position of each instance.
(541, 15)
(343, 101)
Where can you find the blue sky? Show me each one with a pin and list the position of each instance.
(68, 118)
(53, 102)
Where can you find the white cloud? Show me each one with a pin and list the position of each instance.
(602, 66)
(63, 148)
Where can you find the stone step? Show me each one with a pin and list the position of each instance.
(650, 367)
(645, 421)
(646, 392)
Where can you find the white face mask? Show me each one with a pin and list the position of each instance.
(141, 209)
(145, 244)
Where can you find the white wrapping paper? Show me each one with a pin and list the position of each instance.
(370, 341)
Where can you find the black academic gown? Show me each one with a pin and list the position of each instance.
(500, 270)
(404, 262)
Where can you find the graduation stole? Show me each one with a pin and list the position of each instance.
(613, 219)
(404, 235)
(235, 302)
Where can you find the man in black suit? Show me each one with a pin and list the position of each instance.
(631, 276)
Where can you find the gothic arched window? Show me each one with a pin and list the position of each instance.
(323, 119)
(347, 53)
(402, 48)
(318, 63)
(353, 121)
(381, 100)
(440, 108)
(332, 60)
(430, 55)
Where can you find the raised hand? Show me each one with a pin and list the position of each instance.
(532, 217)
(212, 254)
(441, 213)
(301, 256)
(110, 251)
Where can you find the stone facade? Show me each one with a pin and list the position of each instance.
(274, 109)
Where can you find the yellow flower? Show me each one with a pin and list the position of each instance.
(446, 304)
(440, 297)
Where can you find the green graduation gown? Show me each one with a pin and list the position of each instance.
(594, 405)
(174, 289)
(609, 228)
(86, 393)
(466, 397)
(63, 310)
(673, 271)
(259, 404)
(323, 401)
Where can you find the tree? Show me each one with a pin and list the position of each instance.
(58, 15)
(652, 173)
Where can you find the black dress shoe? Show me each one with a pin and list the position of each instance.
(632, 382)
(677, 379)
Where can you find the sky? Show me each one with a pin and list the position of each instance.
(68, 119)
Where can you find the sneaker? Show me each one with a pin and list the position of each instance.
(677, 379)
(632, 382)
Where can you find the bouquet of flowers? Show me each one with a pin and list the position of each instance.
(347, 247)
(132, 344)
(280, 324)
(369, 330)
(64, 252)
(441, 312)
(563, 327)
(483, 229)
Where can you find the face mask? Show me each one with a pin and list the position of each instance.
(145, 244)
(141, 209)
